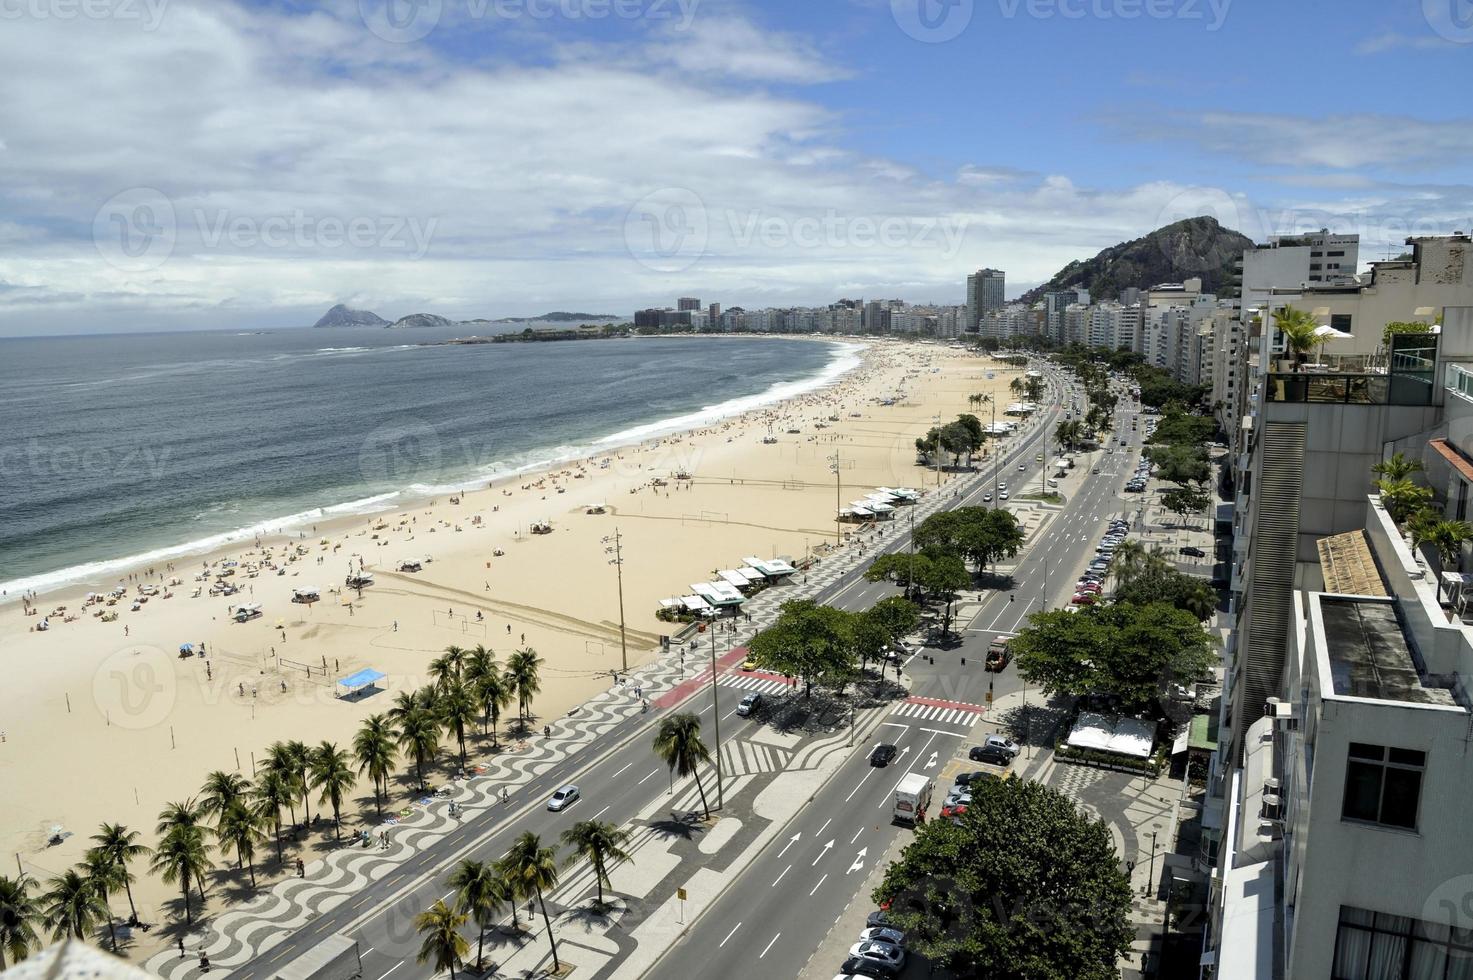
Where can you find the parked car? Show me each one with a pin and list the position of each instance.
(856, 966)
(883, 755)
(884, 934)
(887, 953)
(1194, 552)
(877, 918)
(999, 742)
(564, 798)
(749, 704)
(991, 755)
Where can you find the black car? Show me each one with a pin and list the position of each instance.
(859, 966)
(990, 755)
(883, 755)
(1194, 552)
(877, 919)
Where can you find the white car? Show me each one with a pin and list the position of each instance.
(887, 953)
(1005, 744)
(883, 934)
(1022, 467)
(1003, 495)
(564, 798)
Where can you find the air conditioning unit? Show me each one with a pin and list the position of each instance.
(1282, 712)
(1271, 785)
(1273, 807)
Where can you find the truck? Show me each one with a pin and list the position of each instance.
(997, 654)
(334, 958)
(912, 797)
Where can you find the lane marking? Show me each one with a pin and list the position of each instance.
(391, 969)
(641, 782)
(768, 946)
(820, 882)
(729, 934)
(621, 771)
(780, 876)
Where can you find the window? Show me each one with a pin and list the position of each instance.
(1377, 946)
(1340, 253)
(1383, 785)
(1462, 511)
(1340, 321)
(1314, 267)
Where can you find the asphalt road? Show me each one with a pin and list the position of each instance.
(620, 778)
(769, 923)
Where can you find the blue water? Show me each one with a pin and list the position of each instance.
(122, 447)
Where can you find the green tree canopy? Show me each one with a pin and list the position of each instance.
(809, 641)
(978, 534)
(1123, 649)
(1023, 887)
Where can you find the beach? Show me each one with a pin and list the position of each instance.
(108, 700)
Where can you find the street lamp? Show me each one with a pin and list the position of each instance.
(716, 720)
(617, 550)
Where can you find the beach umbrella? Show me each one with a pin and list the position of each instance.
(1325, 333)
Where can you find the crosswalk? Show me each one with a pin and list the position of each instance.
(754, 682)
(963, 714)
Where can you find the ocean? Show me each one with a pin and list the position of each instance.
(121, 449)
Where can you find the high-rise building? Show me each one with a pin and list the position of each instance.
(984, 294)
(687, 304)
(713, 313)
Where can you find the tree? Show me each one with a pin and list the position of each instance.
(220, 790)
(480, 891)
(299, 760)
(1156, 581)
(525, 667)
(1298, 328)
(240, 827)
(458, 708)
(678, 744)
(1402, 326)
(1396, 467)
(279, 761)
(419, 735)
(105, 879)
(272, 792)
(120, 845)
(495, 691)
(442, 944)
(1402, 498)
(534, 869)
(1022, 886)
(181, 857)
(808, 641)
(19, 916)
(602, 844)
(445, 670)
(332, 774)
(883, 625)
(902, 569)
(73, 906)
(1122, 649)
(1183, 500)
(979, 534)
(373, 750)
(1448, 537)
(944, 577)
(176, 815)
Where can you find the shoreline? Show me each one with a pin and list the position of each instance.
(103, 574)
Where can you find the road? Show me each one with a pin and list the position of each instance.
(811, 881)
(769, 923)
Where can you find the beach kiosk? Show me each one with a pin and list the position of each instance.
(360, 682)
(246, 612)
(773, 568)
(307, 594)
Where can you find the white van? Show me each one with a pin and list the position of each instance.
(912, 797)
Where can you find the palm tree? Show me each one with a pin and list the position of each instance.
(1448, 537)
(534, 869)
(480, 892)
(446, 668)
(272, 792)
(457, 708)
(19, 915)
(602, 843)
(524, 667)
(1298, 328)
(299, 758)
(1402, 498)
(73, 906)
(373, 748)
(106, 878)
(1398, 467)
(181, 857)
(220, 790)
(678, 744)
(121, 845)
(419, 735)
(332, 774)
(176, 815)
(443, 943)
(496, 692)
(240, 827)
(280, 761)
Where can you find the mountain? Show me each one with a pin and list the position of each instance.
(1192, 247)
(420, 320)
(559, 317)
(342, 316)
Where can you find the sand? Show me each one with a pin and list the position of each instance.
(100, 725)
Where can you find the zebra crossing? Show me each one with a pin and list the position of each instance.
(761, 683)
(954, 713)
(740, 758)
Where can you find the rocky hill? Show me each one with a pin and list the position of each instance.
(1192, 247)
(421, 320)
(560, 317)
(342, 316)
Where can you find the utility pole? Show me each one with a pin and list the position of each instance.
(937, 445)
(838, 498)
(997, 456)
(716, 719)
(617, 550)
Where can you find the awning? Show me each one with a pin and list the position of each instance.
(718, 593)
(1123, 736)
(771, 567)
(695, 603)
(364, 678)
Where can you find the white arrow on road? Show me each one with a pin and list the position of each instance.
(858, 860)
(791, 841)
(931, 762)
(821, 853)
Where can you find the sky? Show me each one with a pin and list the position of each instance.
(199, 164)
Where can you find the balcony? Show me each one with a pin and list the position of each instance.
(1459, 380)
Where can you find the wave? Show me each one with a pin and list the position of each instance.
(845, 358)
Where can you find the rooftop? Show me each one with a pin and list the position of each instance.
(1369, 656)
(1348, 565)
